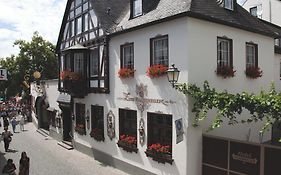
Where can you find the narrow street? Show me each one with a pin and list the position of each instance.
(48, 158)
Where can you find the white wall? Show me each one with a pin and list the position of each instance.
(193, 49)
(204, 35)
(158, 88)
(52, 93)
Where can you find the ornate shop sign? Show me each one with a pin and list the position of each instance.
(244, 158)
(142, 102)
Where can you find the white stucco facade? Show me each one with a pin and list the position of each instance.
(49, 92)
(268, 10)
(193, 49)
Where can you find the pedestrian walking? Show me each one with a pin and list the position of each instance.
(6, 122)
(9, 168)
(14, 124)
(7, 137)
(24, 164)
(22, 121)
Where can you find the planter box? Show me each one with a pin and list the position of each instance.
(159, 157)
(80, 131)
(127, 147)
(98, 137)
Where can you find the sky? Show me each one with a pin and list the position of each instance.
(19, 19)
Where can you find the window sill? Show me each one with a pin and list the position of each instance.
(159, 157)
(127, 147)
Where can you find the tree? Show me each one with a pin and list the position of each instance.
(36, 55)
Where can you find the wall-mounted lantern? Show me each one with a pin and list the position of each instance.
(173, 75)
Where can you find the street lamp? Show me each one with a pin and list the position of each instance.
(173, 75)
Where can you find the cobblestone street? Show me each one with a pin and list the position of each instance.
(48, 158)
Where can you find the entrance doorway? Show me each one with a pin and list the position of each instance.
(67, 124)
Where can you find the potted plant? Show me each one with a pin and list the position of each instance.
(97, 134)
(80, 129)
(126, 72)
(160, 153)
(253, 72)
(128, 143)
(155, 71)
(225, 71)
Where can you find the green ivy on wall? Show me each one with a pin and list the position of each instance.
(265, 106)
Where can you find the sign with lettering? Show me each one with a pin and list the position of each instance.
(140, 100)
(3, 74)
(244, 158)
(179, 130)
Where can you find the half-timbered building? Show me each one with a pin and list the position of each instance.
(116, 104)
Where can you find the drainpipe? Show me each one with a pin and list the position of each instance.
(270, 15)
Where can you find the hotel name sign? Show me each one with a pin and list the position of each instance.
(141, 100)
(244, 158)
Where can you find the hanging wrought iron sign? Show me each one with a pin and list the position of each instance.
(110, 125)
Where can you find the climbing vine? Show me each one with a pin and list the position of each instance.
(265, 106)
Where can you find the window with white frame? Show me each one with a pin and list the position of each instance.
(159, 50)
(228, 4)
(224, 52)
(127, 56)
(136, 8)
(251, 55)
(94, 62)
(79, 63)
(160, 130)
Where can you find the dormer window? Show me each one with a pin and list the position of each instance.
(254, 11)
(228, 4)
(277, 42)
(136, 8)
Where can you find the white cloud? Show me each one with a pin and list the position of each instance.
(20, 18)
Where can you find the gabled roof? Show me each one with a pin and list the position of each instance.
(164, 10)
(115, 17)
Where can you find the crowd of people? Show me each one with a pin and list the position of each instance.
(12, 114)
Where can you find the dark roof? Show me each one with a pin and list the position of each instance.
(115, 17)
(208, 10)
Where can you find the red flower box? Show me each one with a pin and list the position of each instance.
(97, 134)
(156, 70)
(157, 147)
(128, 143)
(80, 129)
(68, 75)
(160, 153)
(253, 72)
(225, 71)
(126, 72)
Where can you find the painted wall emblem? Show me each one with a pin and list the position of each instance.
(110, 125)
